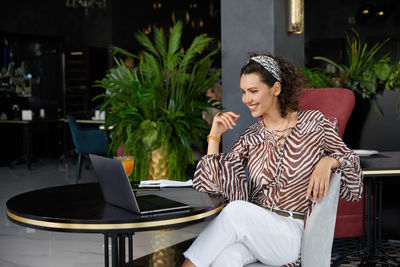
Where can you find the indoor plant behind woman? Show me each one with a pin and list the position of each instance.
(366, 74)
(155, 108)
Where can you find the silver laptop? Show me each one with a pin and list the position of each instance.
(117, 189)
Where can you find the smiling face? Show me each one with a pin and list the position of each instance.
(258, 96)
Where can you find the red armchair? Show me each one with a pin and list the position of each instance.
(339, 103)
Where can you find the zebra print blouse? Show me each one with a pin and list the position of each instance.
(284, 187)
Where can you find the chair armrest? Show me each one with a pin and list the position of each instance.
(316, 246)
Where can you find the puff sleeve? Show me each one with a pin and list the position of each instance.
(224, 173)
(350, 170)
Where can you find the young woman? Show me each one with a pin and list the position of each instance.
(290, 155)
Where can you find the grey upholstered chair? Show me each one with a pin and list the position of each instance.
(316, 245)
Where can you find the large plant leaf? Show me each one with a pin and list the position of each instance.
(150, 131)
(198, 44)
(175, 38)
(117, 50)
(339, 67)
(151, 71)
(146, 42)
(382, 71)
(160, 41)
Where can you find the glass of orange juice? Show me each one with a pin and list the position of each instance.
(127, 161)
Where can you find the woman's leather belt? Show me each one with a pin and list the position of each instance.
(283, 213)
(288, 214)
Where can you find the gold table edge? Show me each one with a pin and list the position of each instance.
(377, 172)
(112, 226)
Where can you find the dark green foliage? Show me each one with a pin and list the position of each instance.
(360, 74)
(316, 78)
(160, 102)
(364, 74)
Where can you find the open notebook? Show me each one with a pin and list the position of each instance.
(165, 183)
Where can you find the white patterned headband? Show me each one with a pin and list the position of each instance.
(270, 65)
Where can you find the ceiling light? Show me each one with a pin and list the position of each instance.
(86, 4)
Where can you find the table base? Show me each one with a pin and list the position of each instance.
(372, 253)
(118, 249)
(367, 260)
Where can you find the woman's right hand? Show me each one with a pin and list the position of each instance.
(222, 122)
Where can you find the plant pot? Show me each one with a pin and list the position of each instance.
(352, 135)
(382, 132)
(158, 167)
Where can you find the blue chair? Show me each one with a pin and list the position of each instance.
(86, 141)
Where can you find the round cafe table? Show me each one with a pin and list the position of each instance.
(81, 208)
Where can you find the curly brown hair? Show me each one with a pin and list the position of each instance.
(292, 80)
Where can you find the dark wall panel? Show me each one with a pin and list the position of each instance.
(251, 25)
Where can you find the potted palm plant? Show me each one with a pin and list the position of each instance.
(366, 75)
(155, 109)
(363, 74)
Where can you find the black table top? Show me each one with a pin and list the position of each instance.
(381, 164)
(81, 208)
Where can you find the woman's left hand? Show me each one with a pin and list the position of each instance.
(319, 180)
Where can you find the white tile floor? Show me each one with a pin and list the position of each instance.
(23, 247)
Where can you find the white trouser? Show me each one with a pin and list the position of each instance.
(244, 233)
